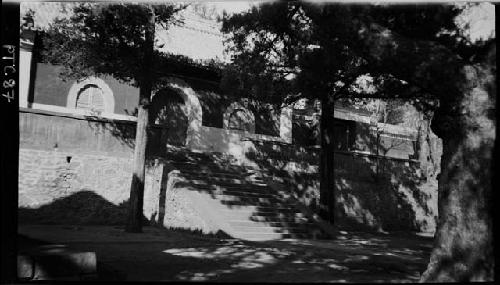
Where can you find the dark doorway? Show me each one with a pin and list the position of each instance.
(168, 118)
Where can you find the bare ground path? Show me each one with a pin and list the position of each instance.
(165, 255)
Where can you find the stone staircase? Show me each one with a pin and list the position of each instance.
(239, 198)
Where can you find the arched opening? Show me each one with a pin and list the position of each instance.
(91, 94)
(237, 117)
(169, 118)
(239, 120)
(90, 97)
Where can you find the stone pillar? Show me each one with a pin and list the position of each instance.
(25, 57)
(286, 124)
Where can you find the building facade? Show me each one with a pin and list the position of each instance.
(82, 134)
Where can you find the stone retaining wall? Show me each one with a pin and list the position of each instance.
(45, 175)
(60, 156)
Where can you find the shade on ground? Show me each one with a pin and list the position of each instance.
(163, 255)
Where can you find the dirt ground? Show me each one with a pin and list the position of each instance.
(166, 255)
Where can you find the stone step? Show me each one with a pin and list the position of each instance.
(256, 236)
(56, 262)
(189, 153)
(274, 219)
(269, 229)
(252, 209)
(209, 173)
(260, 210)
(246, 199)
(280, 224)
(223, 178)
(260, 205)
(256, 188)
(248, 188)
(210, 166)
(226, 181)
(249, 194)
(250, 213)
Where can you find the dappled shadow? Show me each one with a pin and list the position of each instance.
(122, 130)
(164, 255)
(242, 189)
(375, 189)
(296, 165)
(384, 192)
(355, 258)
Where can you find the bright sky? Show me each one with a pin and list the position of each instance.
(233, 6)
(481, 21)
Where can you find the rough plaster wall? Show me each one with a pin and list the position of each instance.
(152, 187)
(47, 175)
(391, 202)
(50, 89)
(396, 197)
(182, 208)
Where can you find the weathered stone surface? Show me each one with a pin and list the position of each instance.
(52, 177)
(54, 264)
(384, 193)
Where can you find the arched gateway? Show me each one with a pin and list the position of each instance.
(175, 113)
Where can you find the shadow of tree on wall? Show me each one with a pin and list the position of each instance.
(235, 187)
(382, 192)
(274, 158)
(124, 131)
(374, 192)
(84, 207)
(368, 186)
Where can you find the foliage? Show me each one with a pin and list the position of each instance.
(102, 39)
(312, 51)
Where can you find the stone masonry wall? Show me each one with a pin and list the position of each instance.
(61, 155)
(45, 175)
(373, 191)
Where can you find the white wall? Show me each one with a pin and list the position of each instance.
(233, 142)
(24, 76)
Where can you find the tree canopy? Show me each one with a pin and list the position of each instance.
(411, 52)
(314, 50)
(108, 39)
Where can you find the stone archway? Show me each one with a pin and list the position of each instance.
(191, 109)
(168, 116)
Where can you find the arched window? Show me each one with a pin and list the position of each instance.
(238, 117)
(90, 97)
(239, 120)
(92, 94)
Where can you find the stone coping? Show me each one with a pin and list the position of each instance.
(103, 119)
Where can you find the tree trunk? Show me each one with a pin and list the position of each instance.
(465, 121)
(327, 182)
(135, 214)
(463, 249)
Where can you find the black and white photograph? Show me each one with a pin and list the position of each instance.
(249, 141)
